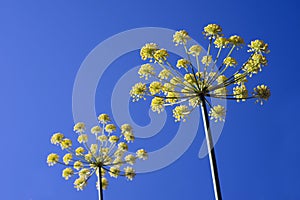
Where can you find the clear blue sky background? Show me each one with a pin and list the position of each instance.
(42, 44)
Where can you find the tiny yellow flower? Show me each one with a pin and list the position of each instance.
(79, 127)
(104, 183)
(52, 159)
(94, 148)
(240, 79)
(129, 137)
(259, 59)
(123, 146)
(88, 157)
(138, 91)
(82, 138)
(129, 173)
(181, 37)
(262, 93)
(206, 60)
(126, 128)
(157, 104)
(146, 71)
(180, 112)
(130, 159)
(84, 173)
(240, 93)
(57, 138)
(168, 87)
(142, 154)
(104, 150)
(190, 78)
(96, 130)
(195, 101)
(229, 61)
(67, 173)
(258, 46)
(221, 42)
(114, 172)
(212, 31)
(195, 50)
(103, 118)
(252, 67)
(80, 183)
(221, 79)
(110, 128)
(78, 165)
(236, 40)
(67, 158)
(155, 87)
(161, 55)
(113, 139)
(182, 63)
(217, 113)
(66, 143)
(164, 74)
(79, 151)
(102, 138)
(148, 51)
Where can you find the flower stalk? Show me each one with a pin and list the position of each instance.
(211, 151)
(100, 189)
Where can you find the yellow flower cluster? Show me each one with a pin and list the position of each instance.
(148, 51)
(217, 113)
(212, 31)
(262, 93)
(206, 78)
(182, 63)
(108, 154)
(146, 71)
(181, 37)
(195, 50)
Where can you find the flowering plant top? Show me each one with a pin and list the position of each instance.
(209, 77)
(108, 154)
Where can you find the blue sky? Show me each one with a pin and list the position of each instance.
(42, 46)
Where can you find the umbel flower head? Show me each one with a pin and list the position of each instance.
(109, 154)
(197, 77)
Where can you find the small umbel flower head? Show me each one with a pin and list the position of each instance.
(103, 118)
(195, 50)
(221, 42)
(236, 40)
(146, 71)
(262, 93)
(138, 91)
(79, 127)
(148, 51)
(181, 37)
(212, 31)
(258, 46)
(109, 153)
(193, 81)
(160, 55)
(217, 113)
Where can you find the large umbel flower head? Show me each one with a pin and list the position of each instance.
(210, 76)
(109, 154)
